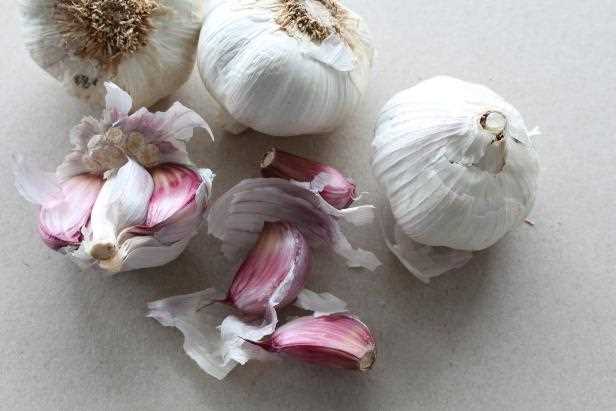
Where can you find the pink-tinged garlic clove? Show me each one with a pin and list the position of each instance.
(338, 340)
(278, 264)
(331, 184)
(61, 222)
(175, 188)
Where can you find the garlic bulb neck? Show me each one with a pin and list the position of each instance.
(105, 30)
(495, 123)
(317, 19)
(494, 159)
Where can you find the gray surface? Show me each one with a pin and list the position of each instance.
(528, 324)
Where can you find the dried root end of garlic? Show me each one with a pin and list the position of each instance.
(285, 67)
(148, 47)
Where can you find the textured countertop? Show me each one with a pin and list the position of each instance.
(528, 324)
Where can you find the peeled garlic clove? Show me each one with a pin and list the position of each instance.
(285, 67)
(457, 164)
(325, 180)
(147, 47)
(238, 216)
(339, 340)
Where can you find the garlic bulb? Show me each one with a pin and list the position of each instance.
(457, 164)
(127, 196)
(147, 47)
(284, 67)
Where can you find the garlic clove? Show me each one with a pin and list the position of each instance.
(280, 257)
(122, 202)
(339, 341)
(61, 224)
(330, 183)
(238, 216)
(65, 206)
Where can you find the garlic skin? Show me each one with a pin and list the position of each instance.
(338, 341)
(127, 196)
(79, 43)
(238, 216)
(457, 164)
(328, 182)
(284, 67)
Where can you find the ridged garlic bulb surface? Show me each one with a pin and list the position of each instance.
(284, 67)
(456, 162)
(146, 47)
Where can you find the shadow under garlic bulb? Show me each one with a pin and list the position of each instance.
(284, 67)
(458, 167)
(146, 47)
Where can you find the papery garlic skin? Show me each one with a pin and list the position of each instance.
(272, 76)
(328, 182)
(150, 57)
(128, 196)
(238, 217)
(456, 162)
(339, 341)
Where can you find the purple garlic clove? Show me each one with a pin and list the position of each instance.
(338, 340)
(331, 184)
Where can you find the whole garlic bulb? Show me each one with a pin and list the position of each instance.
(456, 162)
(284, 67)
(146, 47)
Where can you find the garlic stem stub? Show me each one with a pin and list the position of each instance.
(271, 277)
(329, 183)
(147, 47)
(127, 196)
(284, 67)
(457, 165)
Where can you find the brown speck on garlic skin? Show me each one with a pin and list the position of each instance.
(105, 30)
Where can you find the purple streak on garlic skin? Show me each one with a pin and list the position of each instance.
(61, 223)
(339, 341)
(281, 254)
(332, 185)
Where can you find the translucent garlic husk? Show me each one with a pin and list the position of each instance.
(271, 277)
(457, 165)
(281, 78)
(150, 54)
(127, 196)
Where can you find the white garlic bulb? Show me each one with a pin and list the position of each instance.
(457, 164)
(147, 47)
(284, 67)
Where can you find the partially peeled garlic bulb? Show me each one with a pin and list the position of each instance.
(457, 164)
(284, 67)
(127, 196)
(147, 47)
